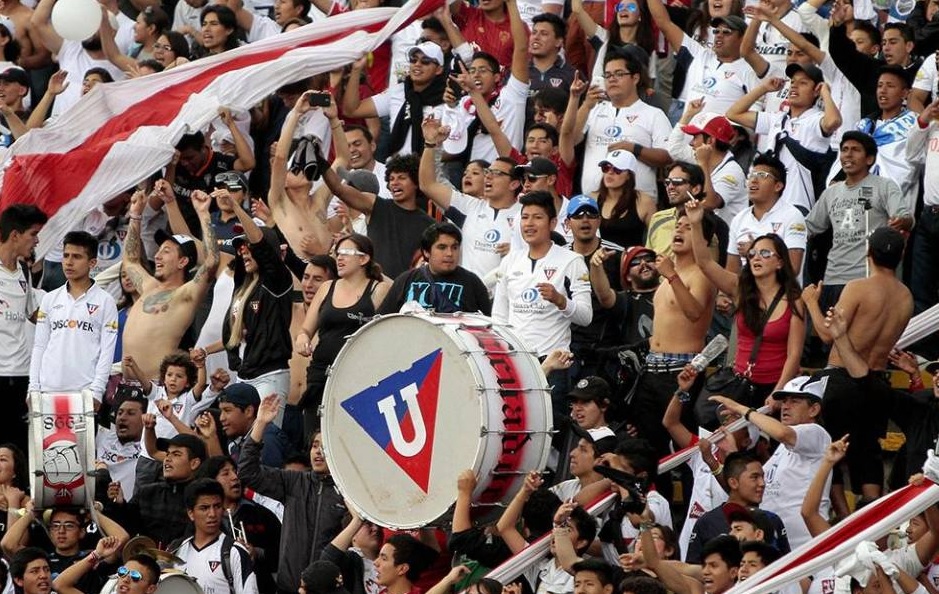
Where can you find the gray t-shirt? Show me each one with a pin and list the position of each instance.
(841, 207)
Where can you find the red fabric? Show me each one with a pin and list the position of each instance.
(565, 183)
(492, 38)
(772, 356)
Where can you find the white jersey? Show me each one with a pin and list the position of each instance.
(922, 148)
(562, 228)
(782, 219)
(75, 339)
(771, 45)
(790, 471)
(729, 180)
(205, 566)
(484, 228)
(890, 136)
(720, 84)
(541, 324)
(391, 101)
(185, 407)
(926, 78)
(547, 577)
(706, 494)
(806, 129)
(823, 582)
(640, 123)
(509, 110)
(120, 458)
(74, 60)
(18, 302)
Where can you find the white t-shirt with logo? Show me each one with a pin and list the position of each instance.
(483, 229)
(729, 180)
(509, 111)
(18, 302)
(640, 123)
(205, 566)
(185, 406)
(120, 458)
(782, 219)
(720, 84)
(806, 129)
(706, 494)
(772, 45)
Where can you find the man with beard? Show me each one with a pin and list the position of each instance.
(118, 448)
(632, 308)
(169, 298)
(74, 57)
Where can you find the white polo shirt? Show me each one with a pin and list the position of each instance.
(640, 123)
(782, 219)
(17, 304)
(730, 182)
(484, 228)
(204, 565)
(720, 84)
(806, 129)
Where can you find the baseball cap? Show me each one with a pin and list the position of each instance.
(602, 439)
(811, 71)
(932, 368)
(733, 21)
(804, 386)
(886, 246)
(429, 49)
(360, 179)
(240, 394)
(712, 124)
(579, 203)
(620, 159)
(323, 577)
(17, 75)
(537, 166)
(195, 445)
(187, 245)
(591, 388)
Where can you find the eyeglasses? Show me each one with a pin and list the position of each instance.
(675, 181)
(135, 576)
(722, 31)
(617, 74)
(479, 70)
(608, 167)
(63, 526)
(424, 60)
(761, 175)
(532, 178)
(349, 252)
(585, 214)
(764, 253)
(163, 47)
(491, 171)
(647, 259)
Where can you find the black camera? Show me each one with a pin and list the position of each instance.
(319, 99)
(635, 500)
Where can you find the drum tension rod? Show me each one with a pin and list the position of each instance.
(484, 431)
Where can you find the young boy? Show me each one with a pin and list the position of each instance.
(174, 405)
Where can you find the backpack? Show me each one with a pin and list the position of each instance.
(227, 544)
(818, 164)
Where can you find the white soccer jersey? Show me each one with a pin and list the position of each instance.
(640, 123)
(509, 111)
(706, 494)
(185, 406)
(730, 182)
(517, 301)
(74, 345)
(720, 84)
(771, 45)
(483, 228)
(205, 566)
(922, 148)
(120, 458)
(17, 304)
(782, 219)
(806, 129)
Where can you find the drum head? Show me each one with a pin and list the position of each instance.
(402, 417)
(177, 583)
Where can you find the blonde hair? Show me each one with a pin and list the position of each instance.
(238, 317)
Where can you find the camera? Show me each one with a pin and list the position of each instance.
(319, 99)
(635, 501)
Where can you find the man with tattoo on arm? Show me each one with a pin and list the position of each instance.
(168, 298)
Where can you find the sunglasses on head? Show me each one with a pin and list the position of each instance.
(135, 576)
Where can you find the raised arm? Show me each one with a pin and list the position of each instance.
(740, 113)
(765, 423)
(244, 160)
(465, 484)
(131, 259)
(282, 152)
(587, 23)
(570, 133)
(434, 134)
(109, 46)
(673, 33)
(197, 287)
(748, 46)
(354, 106)
(831, 120)
(670, 577)
(41, 21)
(606, 296)
(812, 502)
(57, 86)
(671, 420)
(520, 42)
(793, 36)
(723, 279)
(508, 521)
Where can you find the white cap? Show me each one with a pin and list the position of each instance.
(429, 49)
(805, 386)
(621, 159)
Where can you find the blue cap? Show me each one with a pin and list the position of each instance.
(581, 201)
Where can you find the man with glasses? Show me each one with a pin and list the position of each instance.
(717, 74)
(621, 120)
(138, 575)
(215, 560)
(769, 214)
(633, 305)
(541, 175)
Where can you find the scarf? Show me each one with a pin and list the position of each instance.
(412, 113)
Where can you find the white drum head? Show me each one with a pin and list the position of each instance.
(403, 416)
(177, 583)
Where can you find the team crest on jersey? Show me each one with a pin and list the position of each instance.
(729, 74)
(631, 118)
(776, 227)
(23, 285)
(255, 305)
(92, 308)
(400, 415)
(556, 82)
(213, 565)
(549, 272)
(696, 511)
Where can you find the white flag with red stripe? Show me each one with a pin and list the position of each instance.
(121, 133)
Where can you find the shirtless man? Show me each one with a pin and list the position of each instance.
(168, 299)
(320, 269)
(876, 310)
(300, 218)
(683, 303)
(33, 53)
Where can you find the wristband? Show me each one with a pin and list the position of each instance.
(637, 149)
(430, 145)
(645, 526)
(135, 217)
(683, 396)
(93, 559)
(717, 471)
(746, 415)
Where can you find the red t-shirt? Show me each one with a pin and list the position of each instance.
(490, 37)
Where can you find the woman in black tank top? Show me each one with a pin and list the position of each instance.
(624, 211)
(339, 308)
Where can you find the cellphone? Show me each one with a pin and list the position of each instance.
(320, 99)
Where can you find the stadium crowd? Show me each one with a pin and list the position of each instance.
(620, 181)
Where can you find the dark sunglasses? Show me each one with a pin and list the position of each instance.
(585, 214)
(675, 181)
(764, 253)
(647, 259)
(608, 167)
(135, 576)
(423, 60)
(531, 177)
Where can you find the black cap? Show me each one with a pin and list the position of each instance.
(187, 245)
(735, 512)
(733, 21)
(240, 394)
(886, 246)
(184, 440)
(810, 71)
(323, 577)
(17, 75)
(932, 368)
(270, 236)
(591, 388)
(537, 166)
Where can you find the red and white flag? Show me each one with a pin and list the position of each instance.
(121, 133)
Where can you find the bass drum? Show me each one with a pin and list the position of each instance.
(62, 449)
(414, 399)
(172, 582)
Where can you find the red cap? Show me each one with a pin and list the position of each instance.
(717, 127)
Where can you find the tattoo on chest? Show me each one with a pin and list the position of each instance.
(158, 302)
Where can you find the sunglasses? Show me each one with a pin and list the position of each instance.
(764, 253)
(135, 576)
(585, 214)
(638, 260)
(424, 60)
(532, 178)
(761, 175)
(675, 181)
(627, 6)
(349, 252)
(607, 167)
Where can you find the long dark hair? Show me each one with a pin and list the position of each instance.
(699, 19)
(625, 203)
(644, 35)
(748, 296)
(20, 466)
(364, 244)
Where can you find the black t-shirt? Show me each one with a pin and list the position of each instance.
(603, 329)
(460, 291)
(396, 233)
(186, 183)
(635, 311)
